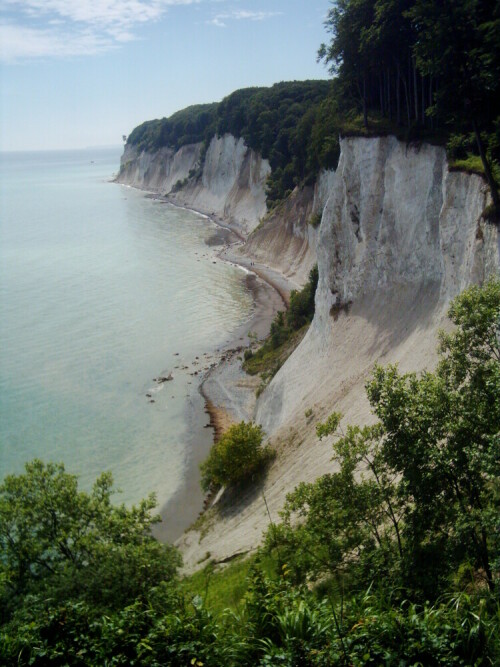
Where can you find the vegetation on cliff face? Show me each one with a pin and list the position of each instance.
(392, 560)
(237, 456)
(416, 502)
(287, 330)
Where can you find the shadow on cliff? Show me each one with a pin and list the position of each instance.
(392, 316)
(237, 498)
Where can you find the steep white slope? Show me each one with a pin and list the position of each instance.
(285, 241)
(400, 236)
(231, 184)
(159, 171)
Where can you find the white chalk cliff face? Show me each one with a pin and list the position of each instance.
(159, 171)
(285, 240)
(231, 184)
(399, 238)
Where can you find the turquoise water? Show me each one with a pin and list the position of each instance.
(100, 287)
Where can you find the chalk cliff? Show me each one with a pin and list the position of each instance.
(286, 239)
(229, 181)
(159, 171)
(400, 236)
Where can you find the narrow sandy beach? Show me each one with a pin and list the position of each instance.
(226, 393)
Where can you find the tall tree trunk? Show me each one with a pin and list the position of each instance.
(365, 113)
(487, 168)
(431, 118)
(398, 94)
(381, 94)
(415, 88)
(389, 110)
(409, 91)
(407, 96)
(422, 82)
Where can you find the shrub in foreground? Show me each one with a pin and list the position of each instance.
(237, 455)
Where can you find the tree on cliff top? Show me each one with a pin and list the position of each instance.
(427, 64)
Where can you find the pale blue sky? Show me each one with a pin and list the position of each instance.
(77, 73)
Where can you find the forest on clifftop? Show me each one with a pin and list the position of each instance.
(421, 70)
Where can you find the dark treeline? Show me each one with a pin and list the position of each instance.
(188, 126)
(424, 65)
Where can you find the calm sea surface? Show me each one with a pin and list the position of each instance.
(100, 287)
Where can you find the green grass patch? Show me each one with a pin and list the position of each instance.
(267, 360)
(472, 164)
(224, 587)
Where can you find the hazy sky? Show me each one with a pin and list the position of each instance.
(78, 73)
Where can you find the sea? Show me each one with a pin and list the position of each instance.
(103, 289)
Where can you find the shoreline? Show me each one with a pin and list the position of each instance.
(227, 392)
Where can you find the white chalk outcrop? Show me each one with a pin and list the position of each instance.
(286, 240)
(159, 171)
(400, 236)
(230, 183)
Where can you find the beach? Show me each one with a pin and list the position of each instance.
(226, 392)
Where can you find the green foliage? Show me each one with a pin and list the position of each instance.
(67, 558)
(423, 64)
(330, 426)
(188, 126)
(287, 330)
(224, 587)
(416, 495)
(301, 308)
(271, 356)
(315, 220)
(54, 537)
(236, 456)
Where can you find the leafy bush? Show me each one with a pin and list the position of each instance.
(287, 330)
(237, 455)
(315, 220)
(301, 309)
(68, 559)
